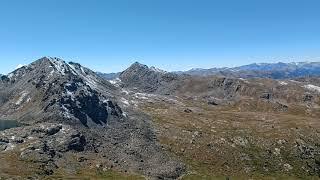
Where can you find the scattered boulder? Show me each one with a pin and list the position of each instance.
(287, 167)
(70, 141)
(307, 98)
(212, 102)
(281, 107)
(47, 129)
(306, 151)
(266, 96)
(38, 152)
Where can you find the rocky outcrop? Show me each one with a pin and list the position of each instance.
(45, 137)
(43, 143)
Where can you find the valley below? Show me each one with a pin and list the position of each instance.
(219, 141)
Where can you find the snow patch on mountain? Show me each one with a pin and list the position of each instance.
(58, 64)
(312, 87)
(51, 73)
(88, 78)
(115, 81)
(70, 94)
(73, 69)
(293, 81)
(19, 66)
(66, 112)
(21, 98)
(28, 100)
(157, 69)
(91, 82)
(283, 83)
(244, 80)
(125, 101)
(10, 75)
(142, 96)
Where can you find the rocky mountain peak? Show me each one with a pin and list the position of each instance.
(136, 67)
(58, 91)
(141, 76)
(137, 64)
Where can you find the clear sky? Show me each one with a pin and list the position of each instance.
(109, 35)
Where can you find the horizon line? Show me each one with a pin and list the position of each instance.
(194, 68)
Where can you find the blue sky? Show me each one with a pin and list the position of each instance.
(109, 35)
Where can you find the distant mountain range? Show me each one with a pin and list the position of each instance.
(263, 70)
(108, 76)
(256, 70)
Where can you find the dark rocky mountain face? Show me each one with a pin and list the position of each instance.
(69, 112)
